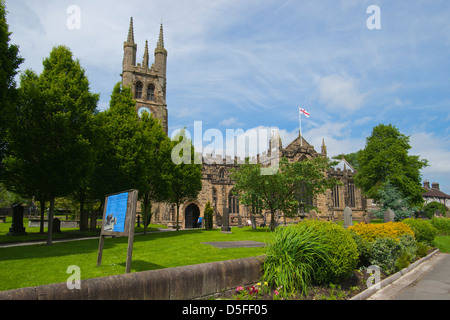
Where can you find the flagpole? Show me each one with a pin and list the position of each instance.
(300, 121)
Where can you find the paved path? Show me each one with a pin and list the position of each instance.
(428, 281)
(35, 242)
(235, 244)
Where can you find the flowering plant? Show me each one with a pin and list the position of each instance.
(255, 292)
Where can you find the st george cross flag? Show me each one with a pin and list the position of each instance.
(306, 113)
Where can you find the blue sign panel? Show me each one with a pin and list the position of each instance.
(116, 211)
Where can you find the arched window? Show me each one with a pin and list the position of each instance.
(214, 196)
(233, 203)
(150, 92)
(138, 90)
(222, 173)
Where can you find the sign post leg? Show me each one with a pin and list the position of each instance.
(100, 250)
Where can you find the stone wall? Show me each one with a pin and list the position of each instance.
(180, 283)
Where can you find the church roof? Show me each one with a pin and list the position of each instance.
(344, 165)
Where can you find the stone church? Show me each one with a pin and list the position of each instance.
(148, 85)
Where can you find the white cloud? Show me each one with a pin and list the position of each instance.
(436, 151)
(230, 121)
(339, 93)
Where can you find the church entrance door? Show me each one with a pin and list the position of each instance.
(191, 215)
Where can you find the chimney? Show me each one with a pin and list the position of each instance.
(426, 184)
(435, 185)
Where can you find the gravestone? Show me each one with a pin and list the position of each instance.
(447, 214)
(389, 216)
(313, 215)
(347, 217)
(17, 227)
(56, 226)
(240, 221)
(366, 218)
(226, 223)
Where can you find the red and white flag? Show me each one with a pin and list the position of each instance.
(306, 113)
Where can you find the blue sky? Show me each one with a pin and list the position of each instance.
(251, 64)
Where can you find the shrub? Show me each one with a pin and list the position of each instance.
(208, 216)
(422, 249)
(384, 253)
(431, 208)
(392, 254)
(423, 230)
(372, 232)
(363, 247)
(409, 245)
(442, 225)
(342, 256)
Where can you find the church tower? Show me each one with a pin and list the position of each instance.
(147, 83)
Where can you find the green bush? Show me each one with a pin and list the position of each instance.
(430, 208)
(422, 249)
(423, 229)
(392, 255)
(442, 225)
(208, 216)
(342, 258)
(384, 254)
(409, 245)
(364, 247)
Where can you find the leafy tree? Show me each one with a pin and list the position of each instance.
(9, 64)
(185, 172)
(391, 198)
(294, 185)
(352, 158)
(430, 208)
(208, 216)
(49, 149)
(133, 153)
(385, 158)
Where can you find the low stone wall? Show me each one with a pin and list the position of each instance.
(180, 283)
(64, 223)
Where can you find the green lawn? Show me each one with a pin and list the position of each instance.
(26, 266)
(443, 243)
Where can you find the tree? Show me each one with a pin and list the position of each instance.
(185, 173)
(9, 64)
(385, 158)
(291, 187)
(133, 153)
(391, 198)
(431, 208)
(208, 214)
(352, 158)
(49, 148)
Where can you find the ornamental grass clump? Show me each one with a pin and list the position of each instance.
(311, 252)
(292, 257)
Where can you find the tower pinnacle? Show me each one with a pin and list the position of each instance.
(160, 44)
(130, 38)
(146, 57)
